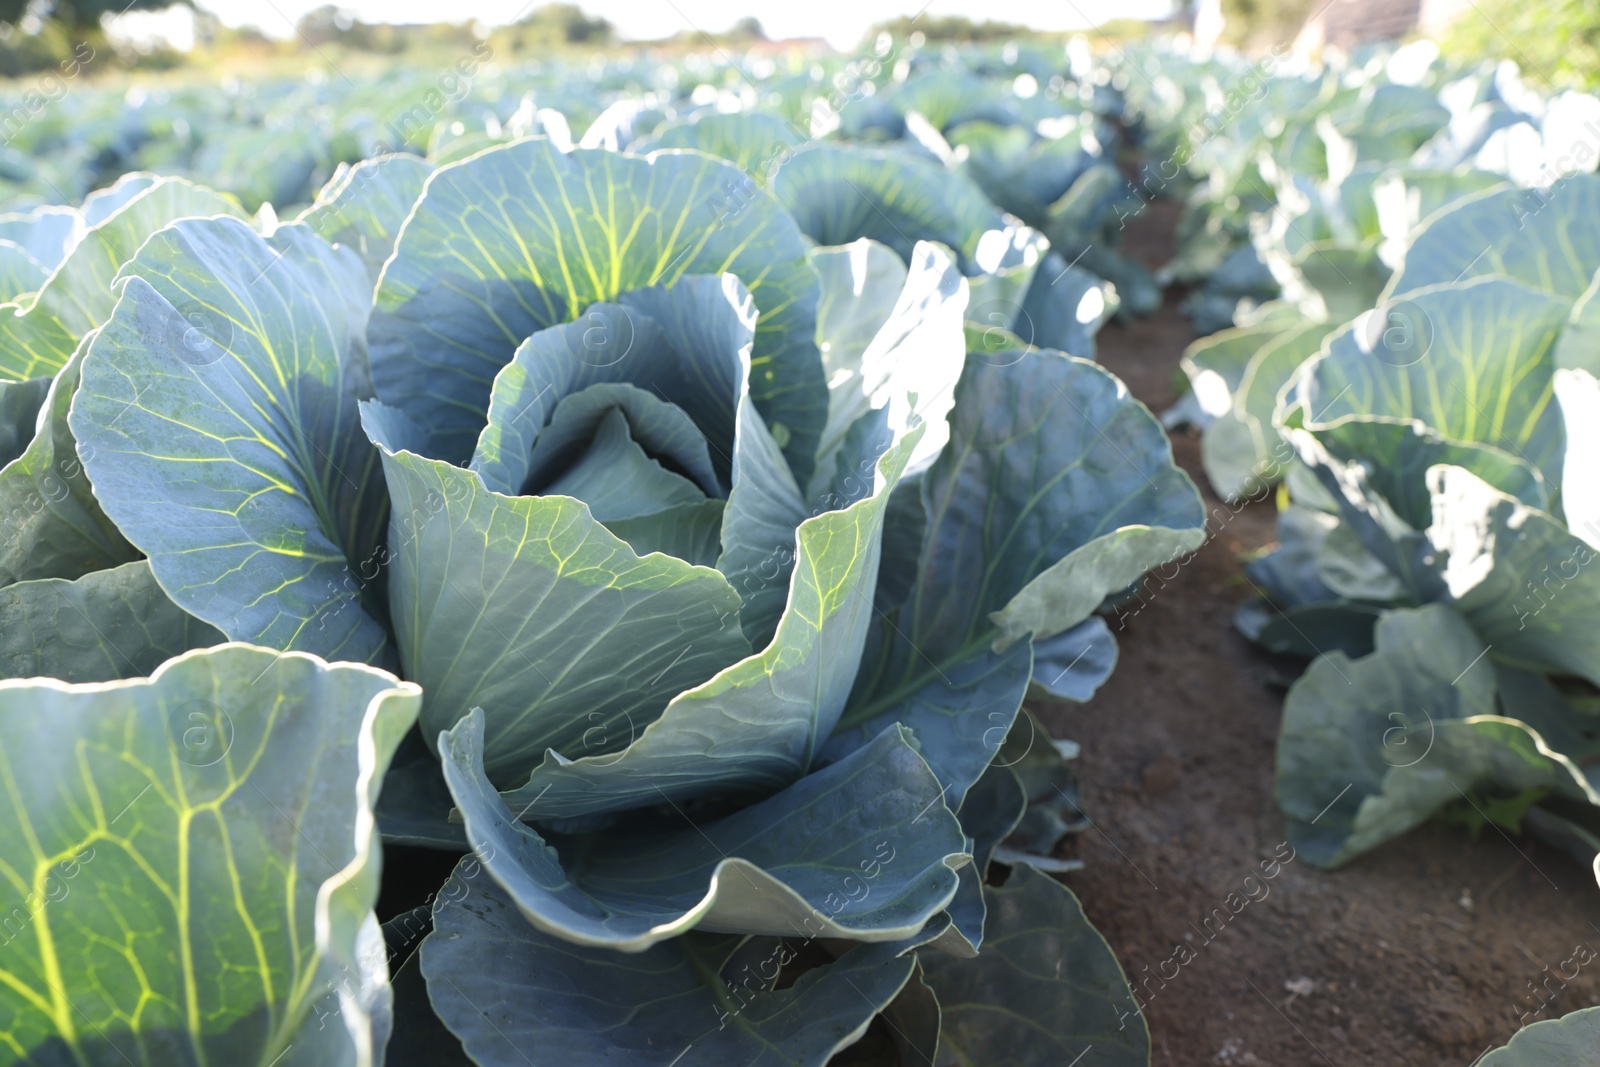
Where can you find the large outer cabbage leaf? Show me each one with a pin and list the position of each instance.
(232, 454)
(1044, 972)
(1056, 490)
(364, 206)
(115, 623)
(41, 334)
(777, 867)
(1372, 747)
(1541, 237)
(702, 1000)
(192, 862)
(56, 528)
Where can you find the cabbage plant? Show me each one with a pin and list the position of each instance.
(1442, 558)
(715, 565)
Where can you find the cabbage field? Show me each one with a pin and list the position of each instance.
(542, 562)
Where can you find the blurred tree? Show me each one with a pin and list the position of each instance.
(748, 28)
(1555, 42)
(79, 15)
(331, 24)
(569, 23)
(950, 28)
(553, 26)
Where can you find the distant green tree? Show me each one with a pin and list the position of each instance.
(1555, 42)
(331, 24)
(950, 28)
(553, 26)
(570, 23)
(748, 28)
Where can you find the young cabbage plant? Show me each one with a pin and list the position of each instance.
(1451, 436)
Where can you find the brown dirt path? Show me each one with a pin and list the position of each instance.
(1423, 952)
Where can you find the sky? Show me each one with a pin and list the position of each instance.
(841, 22)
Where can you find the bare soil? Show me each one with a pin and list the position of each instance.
(1426, 951)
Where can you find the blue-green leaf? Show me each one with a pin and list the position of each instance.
(529, 608)
(40, 336)
(861, 283)
(1395, 458)
(688, 344)
(47, 233)
(56, 528)
(1074, 663)
(512, 992)
(754, 142)
(364, 206)
(1372, 747)
(866, 839)
(912, 363)
(1570, 1041)
(1471, 361)
(1522, 580)
(98, 205)
(194, 862)
(217, 419)
(769, 713)
(1539, 237)
(19, 415)
(1057, 489)
(20, 273)
(990, 812)
(1044, 991)
(523, 237)
(841, 193)
(613, 475)
(109, 624)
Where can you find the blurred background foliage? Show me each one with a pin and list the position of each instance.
(1555, 42)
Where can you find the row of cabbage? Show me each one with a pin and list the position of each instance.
(673, 537)
(1403, 258)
